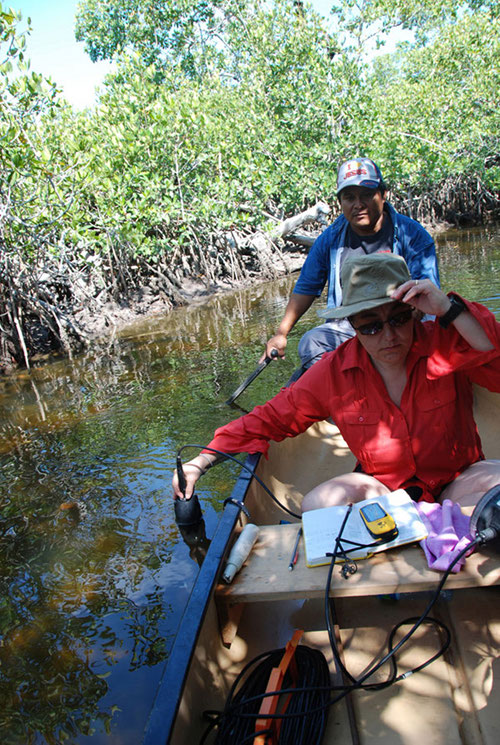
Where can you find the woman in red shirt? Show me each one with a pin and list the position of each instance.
(400, 393)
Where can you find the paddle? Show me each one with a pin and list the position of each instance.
(252, 377)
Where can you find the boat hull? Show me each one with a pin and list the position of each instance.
(454, 700)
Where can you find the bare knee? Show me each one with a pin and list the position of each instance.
(476, 480)
(350, 487)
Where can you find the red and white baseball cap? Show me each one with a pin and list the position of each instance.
(359, 172)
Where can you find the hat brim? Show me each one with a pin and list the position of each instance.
(344, 311)
(366, 183)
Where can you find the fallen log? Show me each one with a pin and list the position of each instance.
(317, 213)
(265, 248)
(303, 239)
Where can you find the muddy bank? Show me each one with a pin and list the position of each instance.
(146, 303)
(96, 318)
(63, 303)
(63, 313)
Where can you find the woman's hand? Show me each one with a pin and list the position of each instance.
(192, 472)
(424, 295)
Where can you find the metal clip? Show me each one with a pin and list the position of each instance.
(237, 503)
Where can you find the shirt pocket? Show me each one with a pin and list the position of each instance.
(361, 418)
(436, 414)
(359, 428)
(437, 396)
(379, 443)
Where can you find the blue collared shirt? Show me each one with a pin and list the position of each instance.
(410, 240)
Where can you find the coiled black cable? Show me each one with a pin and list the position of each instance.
(236, 723)
(241, 710)
(415, 623)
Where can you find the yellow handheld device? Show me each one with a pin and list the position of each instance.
(378, 522)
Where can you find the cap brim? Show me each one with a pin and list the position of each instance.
(344, 311)
(366, 183)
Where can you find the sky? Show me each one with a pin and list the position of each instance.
(53, 51)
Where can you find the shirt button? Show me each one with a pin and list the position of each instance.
(437, 401)
(361, 419)
(432, 482)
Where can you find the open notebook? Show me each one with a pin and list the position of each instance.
(321, 528)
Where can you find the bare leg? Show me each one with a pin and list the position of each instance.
(469, 487)
(350, 487)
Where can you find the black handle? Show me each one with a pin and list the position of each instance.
(187, 511)
(252, 376)
(180, 476)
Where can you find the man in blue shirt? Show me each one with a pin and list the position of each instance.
(368, 224)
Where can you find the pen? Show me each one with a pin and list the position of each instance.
(295, 554)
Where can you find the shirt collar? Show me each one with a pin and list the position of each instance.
(354, 355)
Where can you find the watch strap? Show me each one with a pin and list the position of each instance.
(456, 307)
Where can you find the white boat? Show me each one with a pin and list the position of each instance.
(455, 700)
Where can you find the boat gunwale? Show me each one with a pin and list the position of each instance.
(162, 718)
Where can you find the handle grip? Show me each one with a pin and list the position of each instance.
(252, 376)
(180, 476)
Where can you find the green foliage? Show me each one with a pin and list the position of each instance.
(192, 156)
(447, 121)
(368, 20)
(158, 30)
(220, 112)
(35, 174)
(262, 112)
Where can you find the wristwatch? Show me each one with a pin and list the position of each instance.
(456, 307)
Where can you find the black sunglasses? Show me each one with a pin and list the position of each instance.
(395, 321)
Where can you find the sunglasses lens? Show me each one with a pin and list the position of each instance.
(370, 329)
(400, 319)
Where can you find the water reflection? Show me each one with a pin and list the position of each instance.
(94, 573)
(469, 261)
(195, 537)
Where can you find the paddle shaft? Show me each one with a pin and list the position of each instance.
(252, 376)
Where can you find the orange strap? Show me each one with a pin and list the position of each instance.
(270, 703)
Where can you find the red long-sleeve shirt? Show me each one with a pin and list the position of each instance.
(428, 440)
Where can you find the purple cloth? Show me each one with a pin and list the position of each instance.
(448, 534)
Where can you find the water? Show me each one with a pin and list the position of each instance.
(94, 574)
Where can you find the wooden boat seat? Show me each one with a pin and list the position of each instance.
(266, 575)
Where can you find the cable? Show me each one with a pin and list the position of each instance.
(310, 702)
(236, 723)
(243, 465)
(390, 656)
(241, 709)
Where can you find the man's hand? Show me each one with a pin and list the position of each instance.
(296, 307)
(278, 343)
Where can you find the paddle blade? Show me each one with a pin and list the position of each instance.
(252, 377)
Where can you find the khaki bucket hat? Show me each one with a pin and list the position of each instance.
(367, 282)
